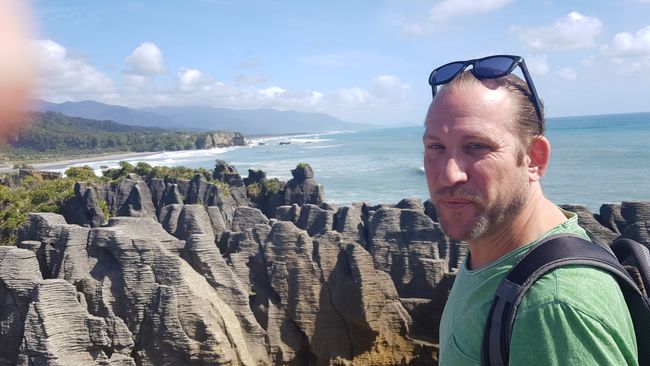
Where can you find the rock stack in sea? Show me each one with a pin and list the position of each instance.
(239, 272)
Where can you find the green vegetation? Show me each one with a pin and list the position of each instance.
(223, 187)
(272, 186)
(147, 171)
(33, 195)
(53, 134)
(302, 166)
(254, 190)
(81, 174)
(103, 205)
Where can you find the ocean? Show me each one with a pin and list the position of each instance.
(595, 160)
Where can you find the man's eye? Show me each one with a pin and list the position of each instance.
(477, 147)
(435, 147)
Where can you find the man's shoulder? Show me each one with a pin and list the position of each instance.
(578, 315)
(589, 290)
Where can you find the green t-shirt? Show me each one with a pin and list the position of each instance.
(574, 315)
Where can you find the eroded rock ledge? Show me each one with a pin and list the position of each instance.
(186, 274)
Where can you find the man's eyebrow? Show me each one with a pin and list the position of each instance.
(475, 136)
(429, 136)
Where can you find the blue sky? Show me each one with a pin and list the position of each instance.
(361, 61)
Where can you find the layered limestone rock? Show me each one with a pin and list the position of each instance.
(611, 218)
(588, 220)
(327, 304)
(288, 213)
(315, 220)
(19, 274)
(404, 243)
(349, 222)
(146, 297)
(248, 217)
(155, 308)
(194, 272)
(303, 189)
(221, 139)
(84, 208)
(60, 331)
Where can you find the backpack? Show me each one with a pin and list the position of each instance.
(627, 260)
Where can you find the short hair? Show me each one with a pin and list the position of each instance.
(530, 125)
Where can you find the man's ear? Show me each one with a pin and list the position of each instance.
(539, 155)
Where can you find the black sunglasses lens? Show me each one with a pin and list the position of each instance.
(445, 73)
(493, 67)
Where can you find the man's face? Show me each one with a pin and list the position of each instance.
(471, 162)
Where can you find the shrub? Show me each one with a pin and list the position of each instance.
(126, 167)
(143, 168)
(103, 205)
(112, 174)
(254, 190)
(272, 186)
(81, 173)
(32, 195)
(224, 188)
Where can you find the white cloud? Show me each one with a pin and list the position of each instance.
(445, 11)
(570, 32)
(62, 76)
(352, 96)
(629, 45)
(192, 79)
(146, 59)
(568, 73)
(69, 78)
(272, 92)
(631, 49)
(537, 64)
(135, 81)
(389, 88)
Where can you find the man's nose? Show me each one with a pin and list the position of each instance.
(452, 173)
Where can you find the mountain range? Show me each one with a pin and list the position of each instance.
(202, 118)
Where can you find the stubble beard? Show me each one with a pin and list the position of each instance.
(489, 219)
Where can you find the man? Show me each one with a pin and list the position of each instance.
(485, 155)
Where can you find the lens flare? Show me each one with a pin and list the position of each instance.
(16, 65)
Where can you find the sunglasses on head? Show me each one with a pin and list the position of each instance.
(490, 67)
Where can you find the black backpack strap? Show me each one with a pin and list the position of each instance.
(635, 258)
(551, 253)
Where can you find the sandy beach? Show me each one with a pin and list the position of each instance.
(56, 163)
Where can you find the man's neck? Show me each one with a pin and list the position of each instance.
(538, 216)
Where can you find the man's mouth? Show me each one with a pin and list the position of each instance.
(455, 203)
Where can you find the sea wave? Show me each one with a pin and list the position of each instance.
(278, 138)
(321, 147)
(307, 140)
(166, 158)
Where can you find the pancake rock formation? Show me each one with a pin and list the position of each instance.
(220, 270)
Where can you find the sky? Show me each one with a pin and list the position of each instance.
(363, 61)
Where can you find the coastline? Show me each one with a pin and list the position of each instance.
(46, 164)
(58, 162)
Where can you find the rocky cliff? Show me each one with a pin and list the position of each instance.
(191, 272)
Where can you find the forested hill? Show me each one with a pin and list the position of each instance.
(204, 118)
(59, 134)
